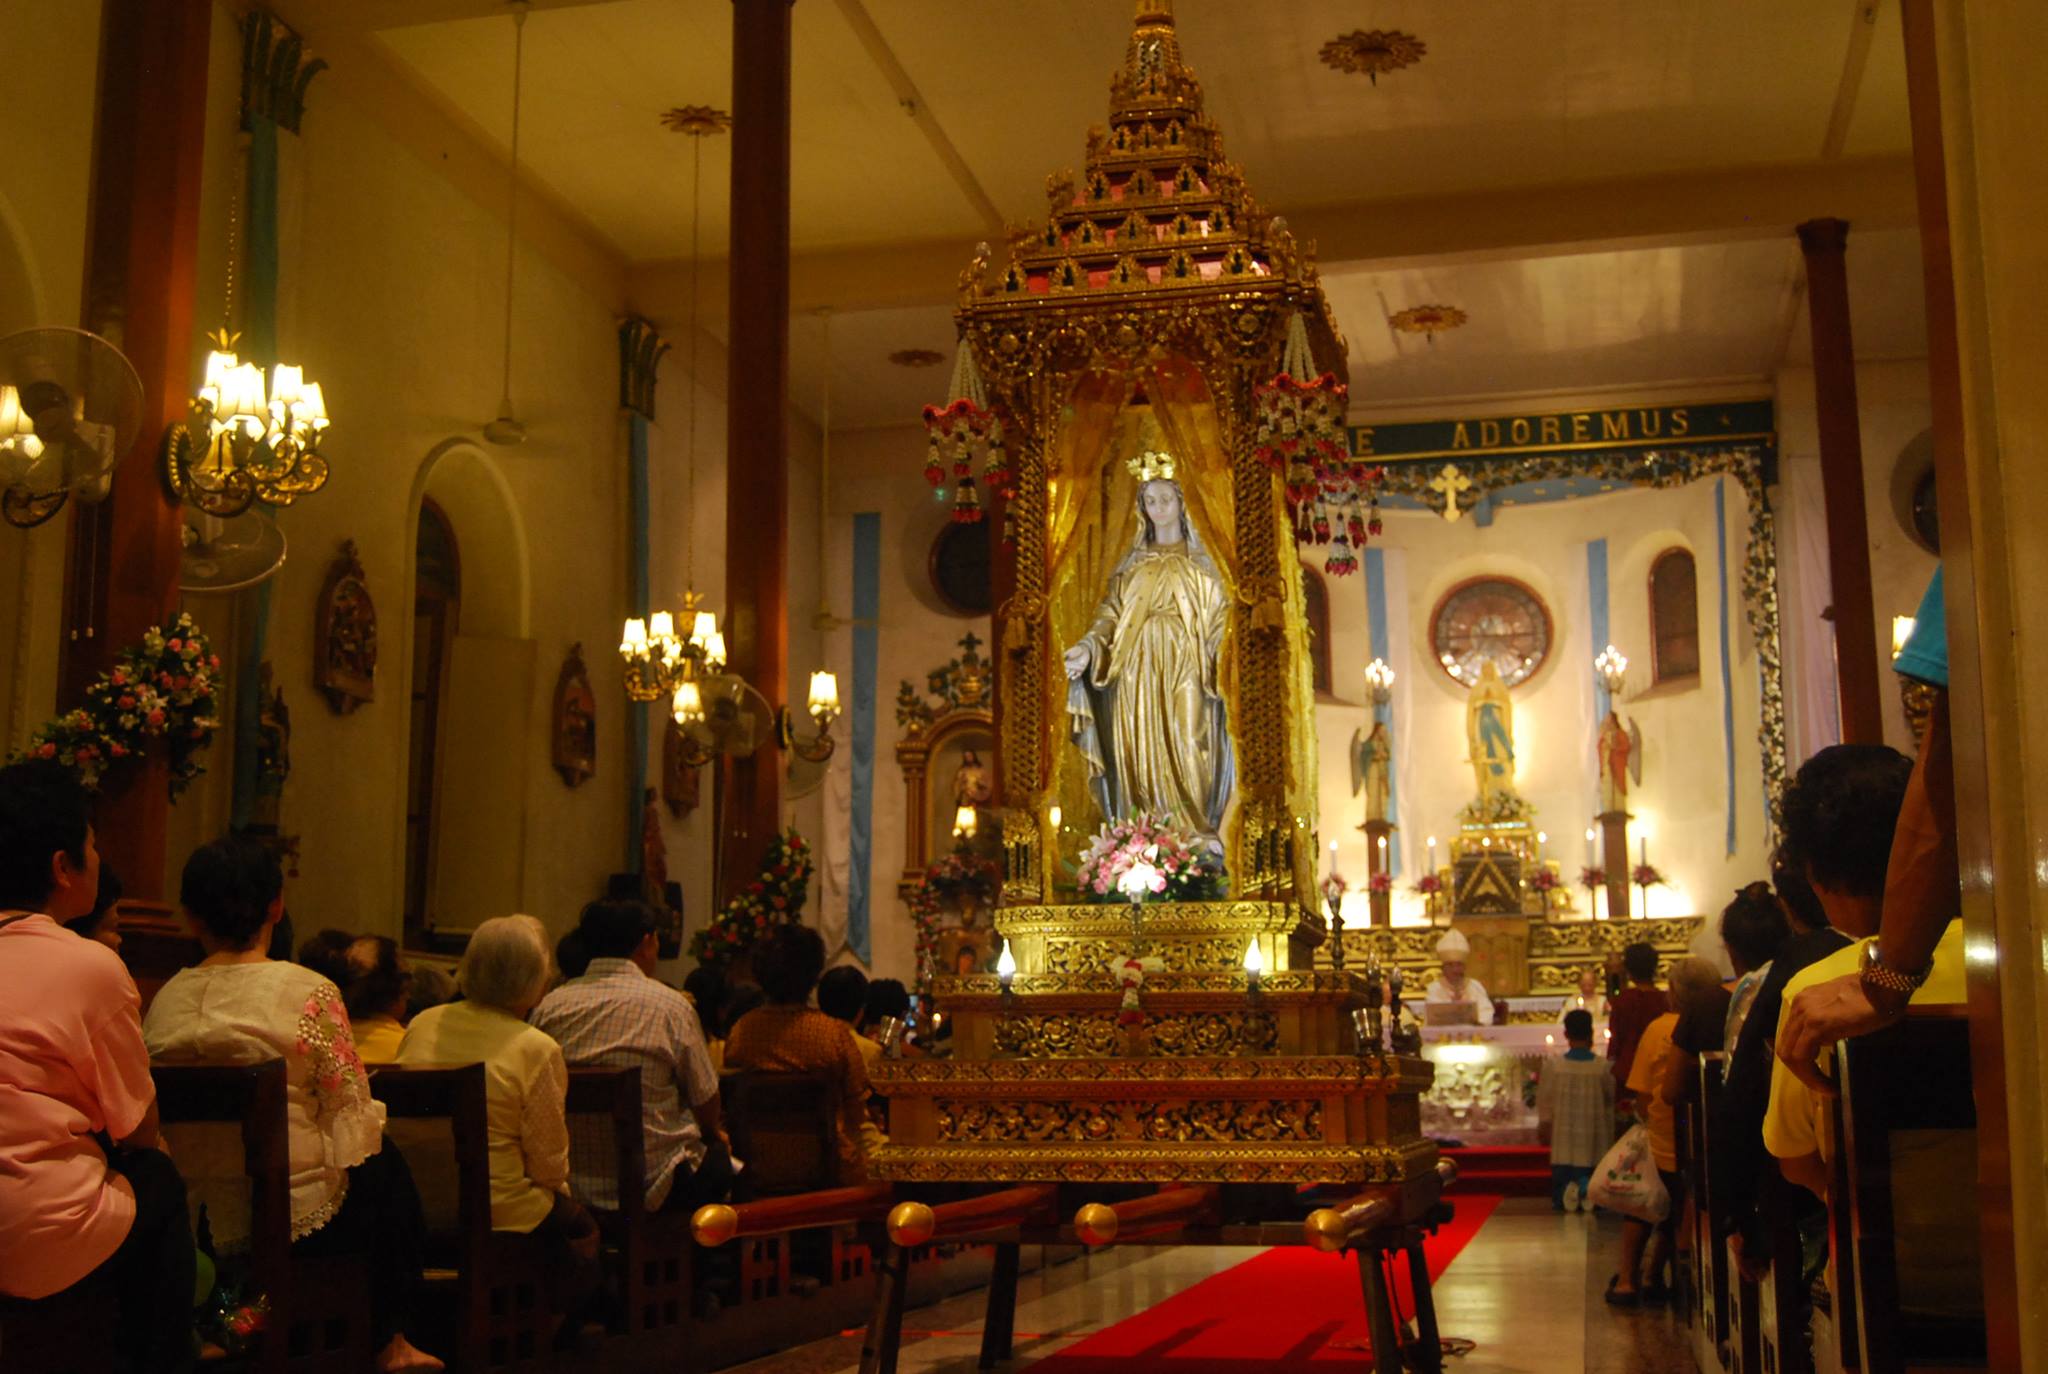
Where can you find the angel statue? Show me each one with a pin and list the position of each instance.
(1371, 757)
(1490, 734)
(1143, 702)
(1615, 746)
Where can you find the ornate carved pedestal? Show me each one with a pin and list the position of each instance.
(1213, 1084)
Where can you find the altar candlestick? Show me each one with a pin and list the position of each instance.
(1589, 848)
(1645, 860)
(1432, 853)
(1541, 839)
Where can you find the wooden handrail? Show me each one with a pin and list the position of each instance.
(916, 1223)
(718, 1222)
(1097, 1223)
(1330, 1229)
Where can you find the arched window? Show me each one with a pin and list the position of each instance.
(1674, 617)
(437, 605)
(1316, 596)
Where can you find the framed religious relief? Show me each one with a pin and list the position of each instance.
(345, 635)
(573, 723)
(1493, 620)
(679, 777)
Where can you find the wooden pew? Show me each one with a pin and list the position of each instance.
(1913, 1077)
(651, 1250)
(319, 1309)
(1714, 1277)
(501, 1319)
(785, 1127)
(66, 1333)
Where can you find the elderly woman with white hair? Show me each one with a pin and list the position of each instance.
(504, 972)
(1454, 985)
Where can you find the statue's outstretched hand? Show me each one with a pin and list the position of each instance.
(1077, 660)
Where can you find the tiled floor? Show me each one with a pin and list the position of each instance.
(1527, 1291)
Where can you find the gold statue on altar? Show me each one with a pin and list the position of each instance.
(1490, 735)
(1143, 698)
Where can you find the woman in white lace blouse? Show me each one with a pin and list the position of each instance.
(351, 1192)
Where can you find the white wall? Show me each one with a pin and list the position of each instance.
(1892, 401)
(1683, 798)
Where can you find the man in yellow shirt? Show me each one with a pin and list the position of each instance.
(1797, 1126)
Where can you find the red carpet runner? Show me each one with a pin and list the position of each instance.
(1289, 1309)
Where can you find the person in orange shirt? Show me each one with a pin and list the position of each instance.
(789, 1036)
(1646, 1248)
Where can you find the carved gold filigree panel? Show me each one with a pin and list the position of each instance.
(1201, 1121)
(1092, 1033)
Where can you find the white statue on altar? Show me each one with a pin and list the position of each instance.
(1490, 735)
(1143, 701)
(1454, 985)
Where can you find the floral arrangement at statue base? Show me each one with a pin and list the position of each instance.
(162, 688)
(1143, 858)
(774, 898)
(961, 879)
(1502, 808)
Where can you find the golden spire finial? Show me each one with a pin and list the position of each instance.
(1155, 12)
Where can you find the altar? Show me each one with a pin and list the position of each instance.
(1484, 1089)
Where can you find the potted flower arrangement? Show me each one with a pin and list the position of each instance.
(772, 899)
(162, 688)
(1381, 884)
(962, 879)
(1143, 858)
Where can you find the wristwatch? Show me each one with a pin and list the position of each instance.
(1889, 988)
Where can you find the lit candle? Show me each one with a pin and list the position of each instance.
(1254, 964)
(1432, 853)
(1006, 966)
(1054, 816)
(1541, 840)
(1590, 857)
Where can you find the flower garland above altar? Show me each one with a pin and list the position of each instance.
(774, 898)
(161, 688)
(1143, 858)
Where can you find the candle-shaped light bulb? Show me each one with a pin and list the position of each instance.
(714, 650)
(1054, 816)
(1254, 961)
(635, 639)
(1006, 966)
(702, 627)
(688, 704)
(824, 701)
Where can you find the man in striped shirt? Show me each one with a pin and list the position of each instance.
(617, 1015)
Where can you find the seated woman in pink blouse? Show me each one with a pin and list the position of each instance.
(351, 1193)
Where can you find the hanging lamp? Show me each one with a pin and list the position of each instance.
(506, 430)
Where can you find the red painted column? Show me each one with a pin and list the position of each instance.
(1841, 468)
(757, 404)
(122, 571)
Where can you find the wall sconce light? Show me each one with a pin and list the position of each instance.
(1379, 682)
(1902, 630)
(823, 708)
(243, 443)
(1611, 667)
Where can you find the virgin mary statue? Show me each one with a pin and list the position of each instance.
(1142, 696)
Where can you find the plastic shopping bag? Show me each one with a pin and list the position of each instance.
(1627, 1182)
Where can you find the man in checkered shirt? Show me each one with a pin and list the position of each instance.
(617, 1015)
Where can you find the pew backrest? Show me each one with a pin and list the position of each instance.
(785, 1127)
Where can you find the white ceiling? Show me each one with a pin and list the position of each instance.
(1536, 94)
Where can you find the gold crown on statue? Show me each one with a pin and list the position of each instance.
(1151, 467)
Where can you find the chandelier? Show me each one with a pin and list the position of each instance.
(1610, 666)
(719, 713)
(246, 442)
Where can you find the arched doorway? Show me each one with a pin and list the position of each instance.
(469, 678)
